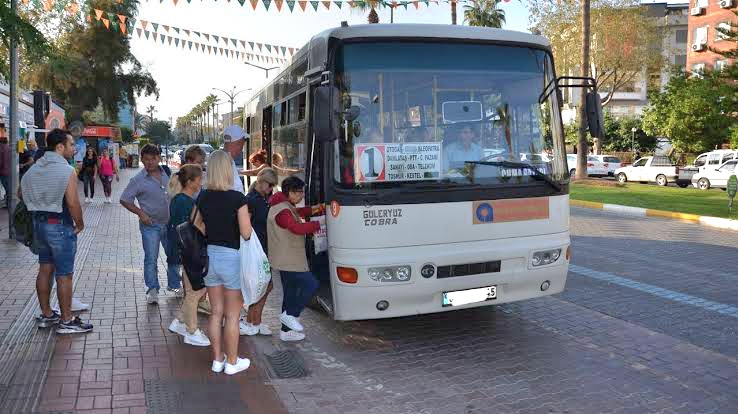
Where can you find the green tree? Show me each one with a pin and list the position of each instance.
(484, 13)
(33, 45)
(619, 135)
(126, 134)
(159, 132)
(93, 65)
(693, 112)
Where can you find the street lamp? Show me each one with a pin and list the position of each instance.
(232, 97)
(264, 69)
(632, 139)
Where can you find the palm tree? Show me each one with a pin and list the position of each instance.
(503, 115)
(150, 110)
(484, 13)
(371, 6)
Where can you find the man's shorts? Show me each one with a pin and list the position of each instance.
(56, 243)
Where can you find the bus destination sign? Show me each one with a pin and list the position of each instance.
(397, 162)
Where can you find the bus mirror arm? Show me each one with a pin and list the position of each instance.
(592, 103)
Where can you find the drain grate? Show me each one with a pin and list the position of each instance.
(287, 364)
(208, 396)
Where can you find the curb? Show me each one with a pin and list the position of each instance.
(721, 223)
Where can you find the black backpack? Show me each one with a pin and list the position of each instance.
(193, 248)
(23, 225)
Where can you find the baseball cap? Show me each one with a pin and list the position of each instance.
(234, 133)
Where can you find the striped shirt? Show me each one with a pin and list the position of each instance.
(44, 184)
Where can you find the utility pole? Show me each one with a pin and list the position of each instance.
(232, 97)
(582, 131)
(13, 138)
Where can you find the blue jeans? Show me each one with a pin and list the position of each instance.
(152, 236)
(56, 242)
(297, 288)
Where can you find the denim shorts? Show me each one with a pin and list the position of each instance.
(224, 267)
(56, 244)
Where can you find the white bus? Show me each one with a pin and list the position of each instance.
(415, 138)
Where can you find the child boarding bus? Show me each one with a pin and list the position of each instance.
(439, 153)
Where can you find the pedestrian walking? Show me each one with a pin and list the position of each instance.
(107, 170)
(286, 233)
(149, 188)
(49, 190)
(258, 202)
(88, 173)
(5, 168)
(233, 139)
(123, 155)
(25, 159)
(223, 212)
(180, 209)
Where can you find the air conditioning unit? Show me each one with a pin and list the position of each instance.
(698, 47)
(725, 4)
(695, 11)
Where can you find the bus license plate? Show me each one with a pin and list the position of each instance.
(465, 297)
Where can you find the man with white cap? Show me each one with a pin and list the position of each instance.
(233, 139)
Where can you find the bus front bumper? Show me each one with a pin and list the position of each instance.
(517, 279)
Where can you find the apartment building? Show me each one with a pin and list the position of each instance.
(705, 16)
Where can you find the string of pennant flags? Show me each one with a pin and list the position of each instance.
(126, 25)
(72, 6)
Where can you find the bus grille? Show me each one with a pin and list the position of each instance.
(468, 269)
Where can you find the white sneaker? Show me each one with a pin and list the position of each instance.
(291, 322)
(264, 329)
(178, 327)
(291, 336)
(152, 297)
(196, 339)
(242, 364)
(77, 306)
(218, 365)
(248, 329)
(87, 200)
(178, 293)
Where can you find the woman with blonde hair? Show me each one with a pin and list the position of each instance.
(224, 216)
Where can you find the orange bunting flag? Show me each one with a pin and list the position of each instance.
(89, 19)
(327, 5)
(254, 3)
(144, 23)
(416, 4)
(279, 4)
(25, 1)
(98, 14)
(302, 4)
(123, 28)
(165, 27)
(350, 3)
(106, 22)
(72, 8)
(122, 18)
(48, 5)
(175, 2)
(207, 36)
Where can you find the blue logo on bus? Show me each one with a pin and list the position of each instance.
(485, 213)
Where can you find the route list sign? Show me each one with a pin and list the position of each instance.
(397, 162)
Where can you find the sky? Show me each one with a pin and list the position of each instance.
(185, 77)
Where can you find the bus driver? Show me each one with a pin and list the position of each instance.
(462, 149)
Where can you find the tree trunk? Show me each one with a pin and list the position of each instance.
(582, 133)
(453, 11)
(373, 17)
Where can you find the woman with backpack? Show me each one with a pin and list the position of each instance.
(189, 178)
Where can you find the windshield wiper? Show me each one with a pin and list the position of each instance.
(520, 165)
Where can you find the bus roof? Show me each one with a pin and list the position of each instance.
(439, 31)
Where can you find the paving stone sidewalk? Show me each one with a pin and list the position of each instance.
(130, 363)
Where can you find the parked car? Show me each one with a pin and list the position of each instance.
(659, 169)
(715, 177)
(711, 159)
(595, 168)
(609, 163)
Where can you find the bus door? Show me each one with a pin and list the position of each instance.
(314, 195)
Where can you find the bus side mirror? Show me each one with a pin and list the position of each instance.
(595, 119)
(325, 108)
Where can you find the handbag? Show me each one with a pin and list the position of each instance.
(193, 248)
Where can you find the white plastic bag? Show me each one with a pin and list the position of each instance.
(255, 270)
(320, 239)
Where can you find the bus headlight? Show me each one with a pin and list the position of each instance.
(390, 274)
(545, 257)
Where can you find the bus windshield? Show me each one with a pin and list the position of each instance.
(446, 114)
